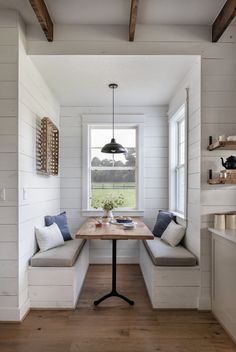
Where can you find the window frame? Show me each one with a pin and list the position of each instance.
(174, 165)
(96, 121)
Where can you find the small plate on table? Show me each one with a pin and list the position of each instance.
(121, 221)
(124, 220)
(128, 223)
(129, 226)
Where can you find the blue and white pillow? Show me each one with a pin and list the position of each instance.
(163, 220)
(61, 221)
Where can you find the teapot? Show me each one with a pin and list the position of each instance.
(230, 162)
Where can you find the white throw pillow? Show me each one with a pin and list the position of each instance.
(49, 237)
(173, 234)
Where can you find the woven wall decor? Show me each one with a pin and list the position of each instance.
(47, 147)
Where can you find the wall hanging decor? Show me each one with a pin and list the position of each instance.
(47, 147)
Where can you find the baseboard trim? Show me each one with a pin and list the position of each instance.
(204, 303)
(24, 310)
(14, 315)
(10, 315)
(225, 328)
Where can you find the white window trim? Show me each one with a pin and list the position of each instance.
(97, 120)
(173, 161)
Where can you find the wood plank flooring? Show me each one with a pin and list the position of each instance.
(114, 326)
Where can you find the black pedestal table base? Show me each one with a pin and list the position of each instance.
(113, 292)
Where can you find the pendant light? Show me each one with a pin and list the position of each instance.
(113, 147)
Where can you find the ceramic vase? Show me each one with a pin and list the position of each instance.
(219, 221)
(231, 221)
(107, 216)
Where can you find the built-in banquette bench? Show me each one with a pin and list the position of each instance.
(170, 271)
(171, 275)
(56, 276)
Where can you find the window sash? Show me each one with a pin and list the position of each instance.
(180, 141)
(177, 161)
(101, 120)
(180, 193)
(112, 168)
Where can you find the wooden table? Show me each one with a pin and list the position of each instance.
(114, 232)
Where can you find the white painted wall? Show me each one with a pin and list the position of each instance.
(8, 165)
(24, 96)
(42, 193)
(218, 117)
(155, 172)
(192, 81)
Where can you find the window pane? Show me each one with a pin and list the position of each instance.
(126, 137)
(181, 131)
(106, 183)
(181, 153)
(112, 183)
(180, 190)
(102, 159)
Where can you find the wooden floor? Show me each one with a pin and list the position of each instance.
(115, 326)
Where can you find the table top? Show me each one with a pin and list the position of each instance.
(114, 232)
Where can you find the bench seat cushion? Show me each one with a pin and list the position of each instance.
(62, 256)
(162, 254)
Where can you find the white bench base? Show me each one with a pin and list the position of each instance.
(170, 287)
(58, 287)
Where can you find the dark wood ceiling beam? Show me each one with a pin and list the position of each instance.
(43, 17)
(223, 20)
(133, 19)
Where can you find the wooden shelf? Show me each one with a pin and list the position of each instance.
(218, 181)
(227, 145)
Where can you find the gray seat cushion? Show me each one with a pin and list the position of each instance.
(162, 254)
(65, 255)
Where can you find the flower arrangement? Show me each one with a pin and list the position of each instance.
(109, 202)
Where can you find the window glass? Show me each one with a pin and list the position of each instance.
(112, 175)
(177, 193)
(180, 190)
(180, 164)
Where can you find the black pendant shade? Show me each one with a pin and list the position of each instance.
(113, 147)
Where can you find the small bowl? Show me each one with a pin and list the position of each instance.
(124, 221)
(128, 226)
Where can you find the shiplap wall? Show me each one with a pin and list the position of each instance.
(192, 81)
(39, 195)
(218, 118)
(8, 165)
(155, 173)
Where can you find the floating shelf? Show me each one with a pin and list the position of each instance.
(227, 145)
(218, 181)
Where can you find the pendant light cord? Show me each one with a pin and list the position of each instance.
(113, 113)
(113, 147)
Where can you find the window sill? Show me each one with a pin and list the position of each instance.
(125, 212)
(179, 215)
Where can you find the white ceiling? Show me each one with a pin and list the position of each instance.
(202, 12)
(83, 80)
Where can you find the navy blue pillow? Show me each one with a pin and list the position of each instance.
(61, 221)
(163, 220)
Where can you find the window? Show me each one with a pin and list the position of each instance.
(178, 161)
(107, 174)
(113, 174)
